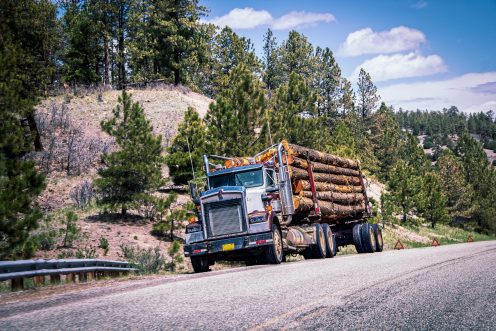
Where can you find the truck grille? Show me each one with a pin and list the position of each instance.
(224, 217)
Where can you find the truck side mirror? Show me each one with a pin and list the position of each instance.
(192, 192)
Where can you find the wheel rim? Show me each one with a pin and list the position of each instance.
(322, 239)
(277, 243)
(329, 239)
(372, 237)
(379, 237)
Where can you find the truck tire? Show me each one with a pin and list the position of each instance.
(274, 252)
(329, 240)
(378, 237)
(368, 238)
(319, 249)
(357, 238)
(200, 264)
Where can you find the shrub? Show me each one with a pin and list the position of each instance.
(105, 245)
(86, 253)
(72, 230)
(28, 250)
(82, 193)
(148, 261)
(427, 145)
(176, 257)
(494, 162)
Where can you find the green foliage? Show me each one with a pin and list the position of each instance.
(174, 252)
(136, 168)
(427, 144)
(403, 189)
(146, 261)
(341, 142)
(271, 75)
(367, 97)
(86, 253)
(171, 218)
(28, 250)
(431, 200)
(72, 230)
(105, 245)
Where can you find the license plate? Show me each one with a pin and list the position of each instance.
(228, 247)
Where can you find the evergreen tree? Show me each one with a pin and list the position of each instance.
(170, 217)
(296, 55)
(177, 160)
(431, 200)
(237, 116)
(136, 168)
(341, 142)
(416, 130)
(327, 83)
(367, 95)
(271, 76)
(403, 187)
(414, 155)
(20, 183)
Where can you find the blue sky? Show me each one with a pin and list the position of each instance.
(420, 54)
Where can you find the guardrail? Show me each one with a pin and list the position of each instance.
(86, 269)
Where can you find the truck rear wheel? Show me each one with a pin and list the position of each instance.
(200, 264)
(368, 238)
(378, 237)
(329, 240)
(274, 252)
(319, 250)
(357, 238)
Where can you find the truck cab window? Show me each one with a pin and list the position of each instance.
(250, 178)
(270, 178)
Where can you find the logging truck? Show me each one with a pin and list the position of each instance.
(285, 200)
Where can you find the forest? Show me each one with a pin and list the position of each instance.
(294, 91)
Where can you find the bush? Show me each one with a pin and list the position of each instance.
(427, 145)
(86, 253)
(148, 261)
(105, 245)
(176, 256)
(494, 162)
(82, 193)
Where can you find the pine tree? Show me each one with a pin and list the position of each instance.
(136, 168)
(327, 83)
(367, 95)
(341, 142)
(431, 201)
(403, 187)
(237, 117)
(177, 160)
(171, 217)
(20, 183)
(271, 76)
(296, 55)
(414, 155)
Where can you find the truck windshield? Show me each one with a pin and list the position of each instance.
(249, 178)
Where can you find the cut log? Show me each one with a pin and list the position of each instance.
(297, 173)
(232, 163)
(326, 207)
(321, 167)
(304, 185)
(334, 196)
(325, 158)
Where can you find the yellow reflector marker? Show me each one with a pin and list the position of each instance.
(192, 219)
(228, 247)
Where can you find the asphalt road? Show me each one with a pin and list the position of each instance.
(436, 288)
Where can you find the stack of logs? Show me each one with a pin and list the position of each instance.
(337, 183)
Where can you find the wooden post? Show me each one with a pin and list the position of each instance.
(70, 278)
(54, 279)
(39, 281)
(83, 277)
(17, 284)
(99, 275)
(106, 274)
(115, 274)
(90, 275)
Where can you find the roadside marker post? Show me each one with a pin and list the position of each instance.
(435, 243)
(470, 240)
(399, 245)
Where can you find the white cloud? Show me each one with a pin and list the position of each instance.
(249, 18)
(385, 67)
(368, 42)
(296, 19)
(460, 91)
(420, 5)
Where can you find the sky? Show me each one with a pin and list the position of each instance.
(426, 55)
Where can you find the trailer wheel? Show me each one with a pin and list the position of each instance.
(357, 238)
(274, 252)
(329, 240)
(200, 264)
(319, 249)
(368, 238)
(378, 237)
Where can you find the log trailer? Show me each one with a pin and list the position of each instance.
(260, 209)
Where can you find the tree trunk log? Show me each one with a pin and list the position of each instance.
(323, 168)
(336, 197)
(325, 158)
(326, 207)
(296, 174)
(304, 185)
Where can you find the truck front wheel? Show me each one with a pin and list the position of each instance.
(274, 252)
(200, 264)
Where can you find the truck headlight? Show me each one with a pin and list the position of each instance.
(257, 219)
(193, 228)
